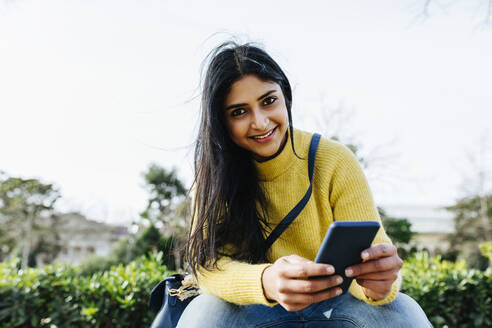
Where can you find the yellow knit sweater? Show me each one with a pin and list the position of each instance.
(340, 193)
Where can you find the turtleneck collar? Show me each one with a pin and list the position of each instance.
(276, 166)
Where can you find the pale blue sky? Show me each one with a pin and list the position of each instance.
(91, 92)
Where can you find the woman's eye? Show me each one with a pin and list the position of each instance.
(238, 112)
(269, 100)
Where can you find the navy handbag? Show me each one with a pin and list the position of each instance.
(171, 296)
(165, 298)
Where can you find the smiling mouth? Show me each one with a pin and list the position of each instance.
(269, 133)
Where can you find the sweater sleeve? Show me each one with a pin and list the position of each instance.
(236, 282)
(351, 200)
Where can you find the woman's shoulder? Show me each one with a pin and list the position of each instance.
(327, 147)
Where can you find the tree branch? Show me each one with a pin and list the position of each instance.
(489, 13)
(425, 12)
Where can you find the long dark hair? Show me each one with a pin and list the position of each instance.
(225, 218)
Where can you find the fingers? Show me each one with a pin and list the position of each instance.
(390, 263)
(378, 251)
(294, 258)
(283, 282)
(379, 286)
(383, 275)
(295, 302)
(378, 271)
(295, 266)
(384, 264)
(289, 286)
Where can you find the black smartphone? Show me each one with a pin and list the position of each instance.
(343, 244)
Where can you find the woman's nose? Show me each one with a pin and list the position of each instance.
(260, 122)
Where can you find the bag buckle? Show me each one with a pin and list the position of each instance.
(188, 288)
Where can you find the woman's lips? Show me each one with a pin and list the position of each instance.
(269, 136)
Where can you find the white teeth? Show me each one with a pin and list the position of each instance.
(264, 136)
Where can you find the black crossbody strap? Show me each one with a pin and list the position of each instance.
(290, 217)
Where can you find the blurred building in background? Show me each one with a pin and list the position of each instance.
(81, 237)
(432, 224)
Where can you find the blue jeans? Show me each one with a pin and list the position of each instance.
(207, 311)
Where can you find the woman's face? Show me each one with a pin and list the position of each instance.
(256, 116)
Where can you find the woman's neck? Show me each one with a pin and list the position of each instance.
(264, 159)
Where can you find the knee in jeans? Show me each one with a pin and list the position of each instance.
(408, 308)
(402, 312)
(206, 304)
(406, 302)
(205, 311)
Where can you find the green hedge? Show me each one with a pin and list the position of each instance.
(58, 296)
(450, 294)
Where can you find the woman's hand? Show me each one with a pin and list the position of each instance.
(285, 282)
(378, 271)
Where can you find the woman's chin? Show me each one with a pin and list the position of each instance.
(265, 156)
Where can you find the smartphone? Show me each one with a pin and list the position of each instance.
(343, 244)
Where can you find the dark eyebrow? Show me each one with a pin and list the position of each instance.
(259, 98)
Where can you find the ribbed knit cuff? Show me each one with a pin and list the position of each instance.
(247, 287)
(239, 283)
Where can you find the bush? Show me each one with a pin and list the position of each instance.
(486, 250)
(94, 264)
(450, 294)
(57, 296)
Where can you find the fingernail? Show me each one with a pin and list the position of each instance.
(339, 280)
(339, 291)
(330, 269)
(349, 272)
(365, 255)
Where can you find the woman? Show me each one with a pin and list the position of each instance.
(250, 170)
